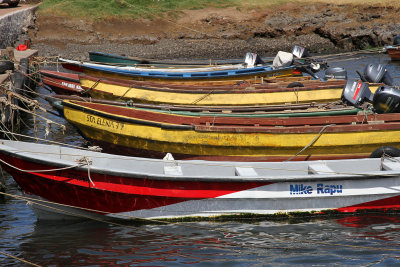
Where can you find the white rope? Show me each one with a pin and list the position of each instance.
(39, 171)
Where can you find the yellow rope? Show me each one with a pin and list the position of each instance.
(202, 97)
(19, 259)
(311, 143)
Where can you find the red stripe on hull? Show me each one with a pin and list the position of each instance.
(113, 194)
(58, 87)
(380, 204)
(73, 67)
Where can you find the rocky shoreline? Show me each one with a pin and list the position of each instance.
(221, 33)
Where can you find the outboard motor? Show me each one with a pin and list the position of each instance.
(305, 63)
(252, 59)
(386, 99)
(300, 52)
(396, 40)
(356, 93)
(376, 73)
(338, 73)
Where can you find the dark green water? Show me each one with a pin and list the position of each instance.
(371, 240)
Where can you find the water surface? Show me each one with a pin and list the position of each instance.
(371, 240)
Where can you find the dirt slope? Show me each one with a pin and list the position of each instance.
(221, 33)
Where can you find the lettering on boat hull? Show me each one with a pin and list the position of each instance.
(320, 189)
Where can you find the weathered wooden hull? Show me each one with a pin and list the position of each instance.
(234, 74)
(153, 134)
(116, 90)
(394, 53)
(134, 61)
(62, 82)
(129, 188)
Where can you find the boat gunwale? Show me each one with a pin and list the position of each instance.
(244, 90)
(240, 128)
(56, 162)
(181, 77)
(47, 74)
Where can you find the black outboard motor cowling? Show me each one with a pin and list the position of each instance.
(356, 93)
(386, 100)
(396, 40)
(335, 73)
(377, 73)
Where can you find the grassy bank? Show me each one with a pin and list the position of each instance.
(125, 8)
(97, 9)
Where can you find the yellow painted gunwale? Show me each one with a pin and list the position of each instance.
(226, 143)
(250, 97)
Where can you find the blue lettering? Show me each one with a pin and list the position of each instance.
(300, 189)
(329, 189)
(309, 189)
(333, 189)
(294, 189)
(339, 189)
(320, 188)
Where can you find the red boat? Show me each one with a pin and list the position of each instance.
(80, 183)
(394, 52)
(62, 83)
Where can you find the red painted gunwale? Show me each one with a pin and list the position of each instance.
(59, 81)
(344, 123)
(114, 194)
(394, 53)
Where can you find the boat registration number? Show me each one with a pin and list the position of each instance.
(104, 122)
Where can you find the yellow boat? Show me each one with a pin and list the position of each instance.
(138, 132)
(102, 88)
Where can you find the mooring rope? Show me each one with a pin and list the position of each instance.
(204, 164)
(92, 87)
(202, 97)
(34, 113)
(44, 170)
(311, 143)
(127, 91)
(19, 259)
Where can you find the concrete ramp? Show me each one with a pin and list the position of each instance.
(13, 22)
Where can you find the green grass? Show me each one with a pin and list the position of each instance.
(97, 9)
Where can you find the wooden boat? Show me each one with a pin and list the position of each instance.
(394, 52)
(138, 132)
(84, 184)
(113, 89)
(293, 110)
(221, 72)
(75, 65)
(101, 57)
(62, 82)
(394, 49)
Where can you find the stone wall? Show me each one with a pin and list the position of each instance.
(14, 24)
